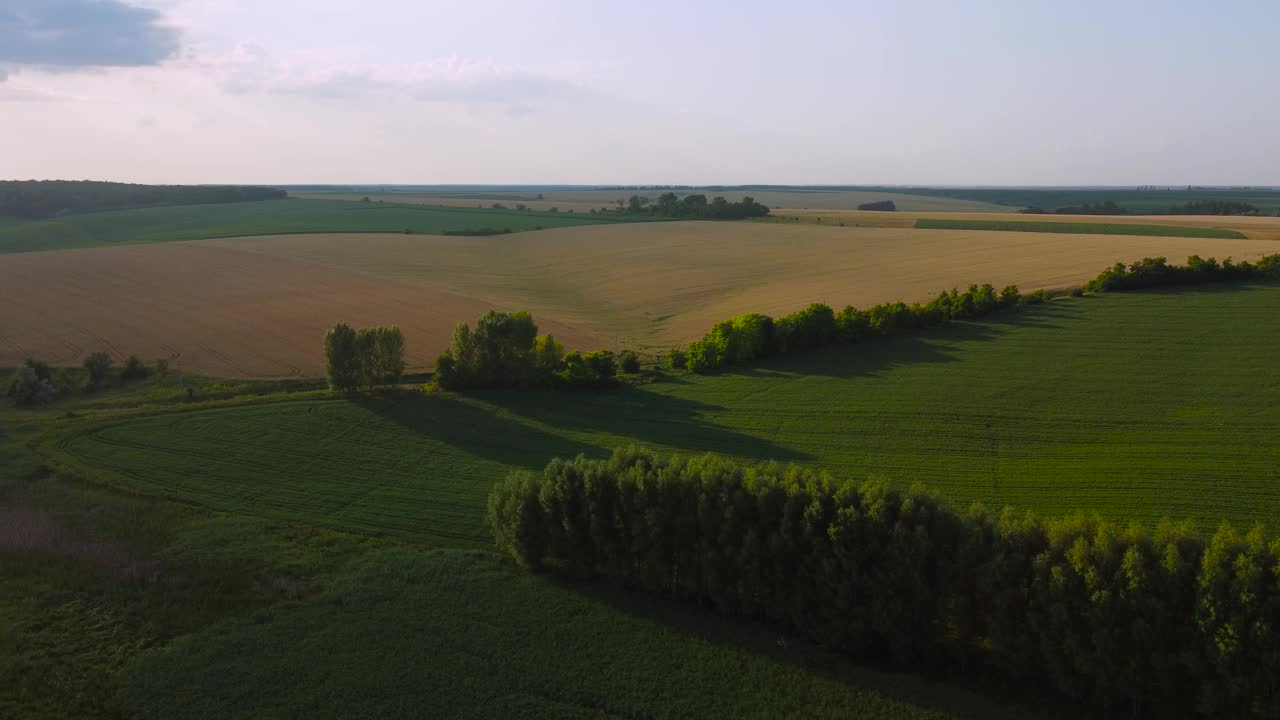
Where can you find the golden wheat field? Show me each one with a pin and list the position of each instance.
(258, 307)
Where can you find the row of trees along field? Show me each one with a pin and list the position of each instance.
(1150, 623)
(364, 358)
(35, 383)
(752, 336)
(1214, 207)
(505, 350)
(1157, 272)
(1198, 207)
(40, 199)
(694, 207)
(1108, 207)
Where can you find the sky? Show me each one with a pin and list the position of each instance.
(989, 92)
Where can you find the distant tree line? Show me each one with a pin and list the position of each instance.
(1126, 620)
(1214, 207)
(40, 199)
(694, 207)
(506, 351)
(882, 205)
(1157, 272)
(752, 336)
(364, 358)
(1103, 208)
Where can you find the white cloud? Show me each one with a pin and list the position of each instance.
(250, 69)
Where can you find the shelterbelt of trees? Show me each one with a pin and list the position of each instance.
(41, 199)
(694, 207)
(1162, 623)
(753, 335)
(505, 350)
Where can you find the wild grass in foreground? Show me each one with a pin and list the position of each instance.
(1082, 228)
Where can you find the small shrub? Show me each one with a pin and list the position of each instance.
(162, 366)
(629, 361)
(133, 369)
(679, 359)
(97, 365)
(28, 389)
(1077, 292)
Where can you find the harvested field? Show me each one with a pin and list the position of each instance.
(210, 310)
(1253, 227)
(257, 307)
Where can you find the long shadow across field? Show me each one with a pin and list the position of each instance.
(634, 414)
(936, 686)
(932, 345)
(475, 429)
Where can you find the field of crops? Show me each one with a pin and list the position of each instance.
(1126, 405)
(1078, 228)
(486, 642)
(193, 222)
(585, 199)
(258, 306)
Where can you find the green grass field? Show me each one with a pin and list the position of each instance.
(195, 222)
(1137, 406)
(465, 636)
(129, 606)
(1090, 228)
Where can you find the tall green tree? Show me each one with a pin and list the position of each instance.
(342, 363)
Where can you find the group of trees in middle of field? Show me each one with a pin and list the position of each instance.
(1149, 624)
(695, 207)
(880, 205)
(752, 336)
(506, 351)
(356, 359)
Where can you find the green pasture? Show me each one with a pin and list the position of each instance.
(270, 217)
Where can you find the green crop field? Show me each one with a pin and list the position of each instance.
(195, 222)
(485, 642)
(1154, 201)
(1136, 406)
(1091, 228)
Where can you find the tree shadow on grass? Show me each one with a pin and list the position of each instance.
(938, 686)
(636, 415)
(878, 356)
(475, 429)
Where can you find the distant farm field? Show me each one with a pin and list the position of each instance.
(583, 200)
(1080, 228)
(1136, 406)
(258, 306)
(193, 222)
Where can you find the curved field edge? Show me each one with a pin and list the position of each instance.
(1137, 406)
(1080, 228)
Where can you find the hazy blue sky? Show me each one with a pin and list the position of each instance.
(407, 91)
